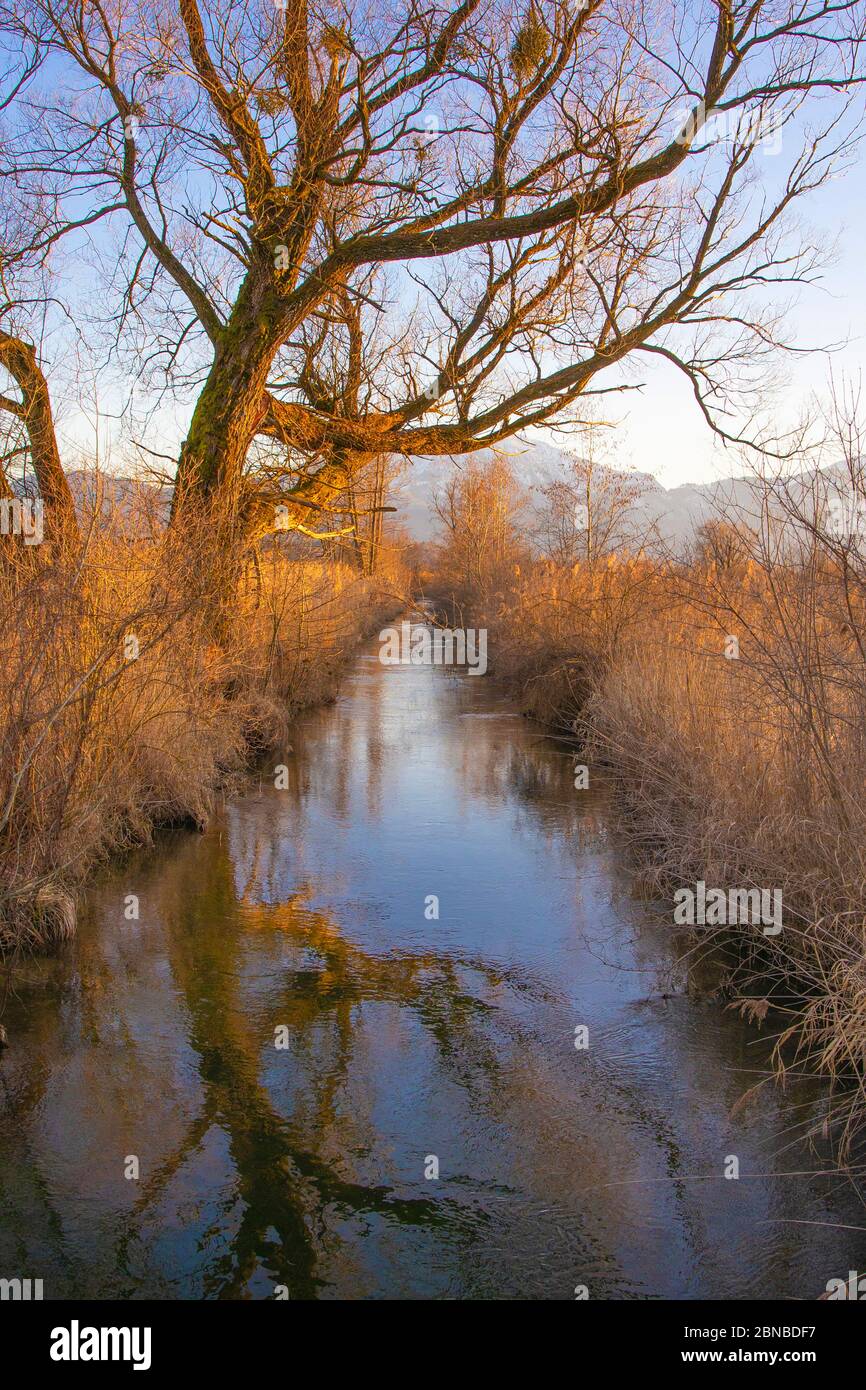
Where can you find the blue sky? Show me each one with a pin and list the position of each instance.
(663, 431)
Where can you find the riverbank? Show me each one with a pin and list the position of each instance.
(727, 699)
(119, 713)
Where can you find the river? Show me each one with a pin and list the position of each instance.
(243, 1076)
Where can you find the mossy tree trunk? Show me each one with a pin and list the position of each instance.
(34, 411)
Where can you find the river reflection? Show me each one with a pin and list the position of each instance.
(303, 916)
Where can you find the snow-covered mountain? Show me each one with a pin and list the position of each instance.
(673, 513)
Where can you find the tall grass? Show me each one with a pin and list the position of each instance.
(748, 771)
(120, 713)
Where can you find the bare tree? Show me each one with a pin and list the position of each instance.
(589, 512)
(479, 508)
(477, 209)
(723, 542)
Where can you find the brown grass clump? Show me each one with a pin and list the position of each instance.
(46, 920)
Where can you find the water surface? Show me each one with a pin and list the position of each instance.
(304, 916)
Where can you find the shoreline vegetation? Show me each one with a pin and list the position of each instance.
(121, 713)
(725, 693)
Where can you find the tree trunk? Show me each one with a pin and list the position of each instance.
(232, 402)
(34, 411)
(211, 498)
